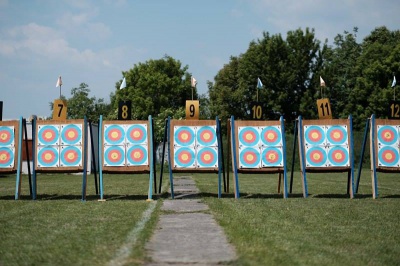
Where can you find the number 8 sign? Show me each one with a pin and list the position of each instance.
(124, 110)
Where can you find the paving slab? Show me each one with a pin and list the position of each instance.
(184, 205)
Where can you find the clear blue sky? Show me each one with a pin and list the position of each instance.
(93, 41)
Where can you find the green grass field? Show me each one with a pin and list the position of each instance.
(327, 228)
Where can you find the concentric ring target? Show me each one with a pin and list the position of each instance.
(388, 156)
(316, 157)
(207, 157)
(114, 134)
(271, 136)
(114, 156)
(248, 136)
(337, 135)
(137, 155)
(184, 158)
(6, 157)
(48, 134)
(272, 156)
(71, 156)
(137, 134)
(206, 136)
(71, 134)
(338, 156)
(387, 135)
(184, 136)
(314, 135)
(249, 158)
(48, 157)
(6, 136)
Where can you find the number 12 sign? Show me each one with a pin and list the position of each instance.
(324, 109)
(394, 110)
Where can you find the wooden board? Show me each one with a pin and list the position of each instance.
(14, 146)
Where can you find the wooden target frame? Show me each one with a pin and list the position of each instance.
(314, 146)
(49, 145)
(258, 147)
(124, 136)
(210, 146)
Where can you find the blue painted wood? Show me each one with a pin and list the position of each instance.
(373, 157)
(34, 187)
(151, 151)
(362, 154)
(293, 154)
(85, 161)
(234, 155)
(285, 189)
(101, 156)
(352, 157)
(302, 157)
(18, 177)
(171, 178)
(220, 167)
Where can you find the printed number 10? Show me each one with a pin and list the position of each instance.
(257, 111)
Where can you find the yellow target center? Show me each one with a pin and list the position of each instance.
(185, 136)
(316, 156)
(48, 135)
(71, 155)
(206, 136)
(338, 156)
(336, 135)
(3, 136)
(207, 157)
(270, 136)
(314, 135)
(271, 156)
(388, 156)
(249, 157)
(114, 155)
(136, 134)
(249, 137)
(136, 155)
(71, 134)
(185, 157)
(388, 135)
(3, 157)
(48, 156)
(114, 135)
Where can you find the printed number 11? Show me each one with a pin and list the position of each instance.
(326, 107)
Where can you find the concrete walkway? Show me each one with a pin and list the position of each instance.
(187, 234)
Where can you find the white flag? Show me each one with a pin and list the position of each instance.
(394, 81)
(259, 83)
(123, 84)
(193, 81)
(321, 81)
(59, 82)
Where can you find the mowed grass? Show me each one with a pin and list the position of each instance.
(327, 228)
(60, 229)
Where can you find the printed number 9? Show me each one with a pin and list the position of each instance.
(192, 110)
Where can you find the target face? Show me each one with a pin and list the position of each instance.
(387, 135)
(248, 136)
(184, 157)
(48, 156)
(271, 157)
(48, 134)
(71, 156)
(271, 136)
(388, 156)
(316, 157)
(71, 134)
(339, 156)
(249, 158)
(207, 157)
(6, 157)
(206, 136)
(114, 134)
(114, 156)
(137, 155)
(184, 136)
(337, 135)
(314, 135)
(136, 134)
(6, 136)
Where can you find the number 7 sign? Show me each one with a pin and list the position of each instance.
(59, 109)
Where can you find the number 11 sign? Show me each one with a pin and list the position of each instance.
(324, 109)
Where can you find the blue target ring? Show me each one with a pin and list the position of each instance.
(184, 136)
(48, 135)
(207, 157)
(387, 135)
(314, 135)
(114, 135)
(249, 158)
(338, 156)
(271, 136)
(206, 136)
(71, 156)
(6, 157)
(184, 157)
(6, 135)
(71, 134)
(316, 156)
(337, 135)
(136, 134)
(272, 156)
(388, 156)
(48, 157)
(137, 155)
(114, 156)
(248, 136)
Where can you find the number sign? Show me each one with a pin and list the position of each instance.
(59, 110)
(192, 110)
(125, 110)
(1, 110)
(256, 111)
(324, 109)
(394, 110)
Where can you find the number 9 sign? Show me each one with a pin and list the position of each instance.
(192, 110)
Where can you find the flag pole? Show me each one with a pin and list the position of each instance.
(257, 94)
(60, 91)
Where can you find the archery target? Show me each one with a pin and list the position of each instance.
(338, 156)
(206, 136)
(207, 157)
(314, 135)
(248, 136)
(184, 136)
(136, 134)
(337, 135)
(71, 134)
(271, 136)
(6, 157)
(316, 157)
(137, 155)
(48, 134)
(47, 156)
(6, 136)
(114, 134)
(249, 157)
(184, 157)
(387, 135)
(388, 156)
(71, 156)
(114, 156)
(271, 156)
